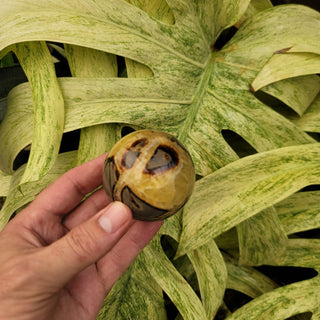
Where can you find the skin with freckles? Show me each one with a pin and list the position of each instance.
(60, 256)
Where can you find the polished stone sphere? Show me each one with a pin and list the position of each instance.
(151, 172)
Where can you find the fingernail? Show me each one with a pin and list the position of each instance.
(113, 217)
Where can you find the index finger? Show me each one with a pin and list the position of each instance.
(64, 194)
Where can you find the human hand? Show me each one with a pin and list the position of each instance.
(59, 257)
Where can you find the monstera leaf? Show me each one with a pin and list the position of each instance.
(216, 100)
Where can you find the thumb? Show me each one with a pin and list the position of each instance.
(86, 243)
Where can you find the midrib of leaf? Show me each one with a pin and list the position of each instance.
(160, 101)
(196, 103)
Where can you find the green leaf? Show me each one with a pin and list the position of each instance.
(300, 212)
(300, 253)
(248, 280)
(310, 121)
(211, 274)
(286, 65)
(274, 30)
(16, 199)
(160, 11)
(80, 112)
(176, 101)
(261, 238)
(254, 7)
(282, 303)
(13, 137)
(219, 100)
(37, 63)
(85, 62)
(243, 188)
(185, 87)
(172, 282)
(291, 299)
(119, 23)
(135, 295)
(5, 183)
(298, 92)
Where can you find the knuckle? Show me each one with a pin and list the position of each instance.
(82, 243)
(116, 258)
(136, 241)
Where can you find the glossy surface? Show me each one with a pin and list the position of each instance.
(151, 172)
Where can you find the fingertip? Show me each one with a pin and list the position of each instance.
(114, 216)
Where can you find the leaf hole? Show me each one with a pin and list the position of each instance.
(234, 299)
(182, 264)
(276, 105)
(10, 77)
(171, 309)
(169, 246)
(222, 312)
(128, 68)
(224, 38)
(70, 141)
(310, 3)
(21, 158)
(308, 234)
(312, 187)
(122, 69)
(314, 135)
(301, 316)
(61, 64)
(284, 275)
(2, 200)
(240, 146)
(125, 130)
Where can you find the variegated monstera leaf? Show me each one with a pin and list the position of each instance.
(180, 81)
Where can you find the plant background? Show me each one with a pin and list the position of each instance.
(246, 246)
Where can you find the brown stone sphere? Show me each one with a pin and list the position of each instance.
(151, 172)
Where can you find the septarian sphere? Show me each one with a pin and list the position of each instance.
(151, 172)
